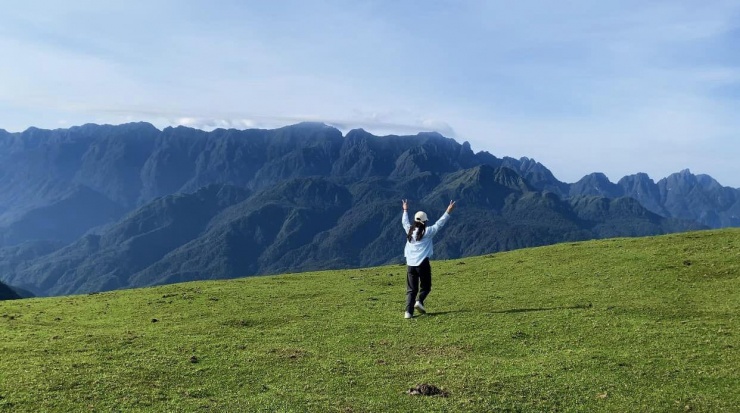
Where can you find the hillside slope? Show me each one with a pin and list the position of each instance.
(309, 224)
(7, 293)
(646, 324)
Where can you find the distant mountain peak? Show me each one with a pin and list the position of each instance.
(528, 161)
(431, 134)
(642, 176)
(684, 177)
(310, 125)
(638, 179)
(358, 133)
(597, 176)
(596, 183)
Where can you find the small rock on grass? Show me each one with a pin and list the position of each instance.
(427, 390)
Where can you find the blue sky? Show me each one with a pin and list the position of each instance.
(617, 87)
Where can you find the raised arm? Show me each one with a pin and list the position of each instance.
(431, 231)
(405, 216)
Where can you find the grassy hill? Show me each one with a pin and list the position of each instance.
(648, 324)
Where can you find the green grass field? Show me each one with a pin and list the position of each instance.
(623, 325)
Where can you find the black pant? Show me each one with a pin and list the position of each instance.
(414, 276)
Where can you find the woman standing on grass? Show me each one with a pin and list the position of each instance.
(418, 249)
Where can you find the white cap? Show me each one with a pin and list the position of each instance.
(420, 216)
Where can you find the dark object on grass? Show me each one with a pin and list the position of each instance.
(427, 390)
(193, 359)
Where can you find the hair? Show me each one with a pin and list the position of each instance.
(422, 228)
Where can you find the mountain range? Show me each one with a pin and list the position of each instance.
(101, 207)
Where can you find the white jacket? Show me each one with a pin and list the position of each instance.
(416, 251)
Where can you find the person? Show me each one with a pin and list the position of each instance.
(419, 248)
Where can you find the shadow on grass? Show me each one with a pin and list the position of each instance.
(515, 310)
(527, 310)
(446, 312)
